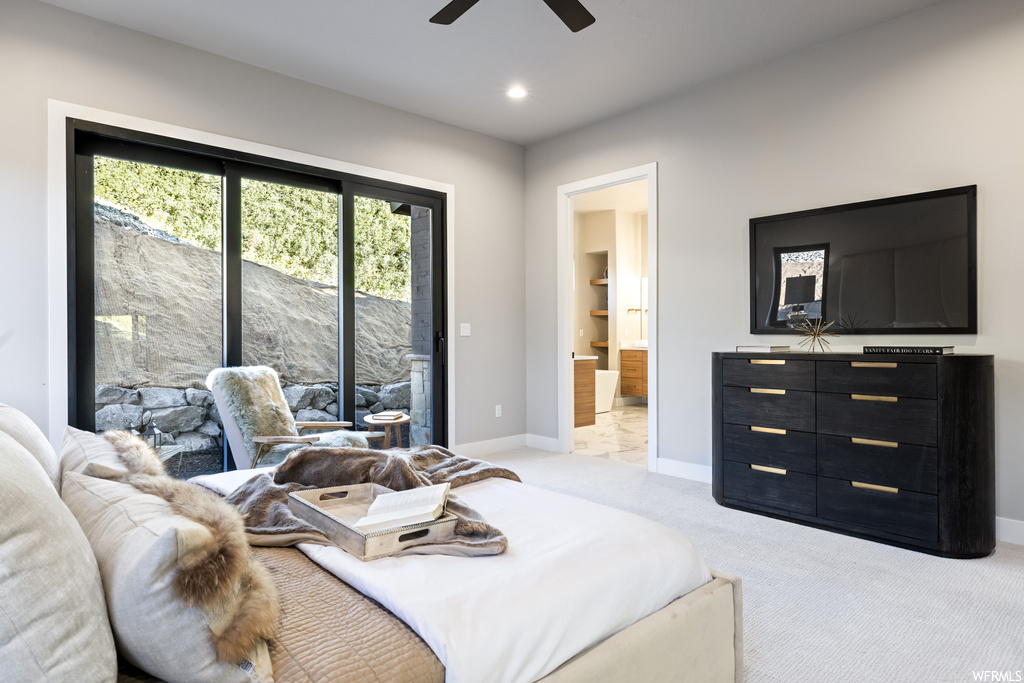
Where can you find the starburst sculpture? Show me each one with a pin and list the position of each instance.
(813, 334)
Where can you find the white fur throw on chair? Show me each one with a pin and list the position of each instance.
(251, 404)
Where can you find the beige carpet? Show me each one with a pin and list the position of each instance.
(820, 606)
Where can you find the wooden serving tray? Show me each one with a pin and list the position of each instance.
(334, 509)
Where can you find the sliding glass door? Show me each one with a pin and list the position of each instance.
(158, 307)
(394, 334)
(183, 258)
(290, 308)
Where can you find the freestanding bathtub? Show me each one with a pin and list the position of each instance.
(604, 391)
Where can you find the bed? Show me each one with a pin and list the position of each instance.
(602, 595)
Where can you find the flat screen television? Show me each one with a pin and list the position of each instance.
(901, 265)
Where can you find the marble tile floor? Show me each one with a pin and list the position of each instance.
(620, 434)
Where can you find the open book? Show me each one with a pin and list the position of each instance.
(402, 508)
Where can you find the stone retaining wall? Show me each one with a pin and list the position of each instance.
(189, 417)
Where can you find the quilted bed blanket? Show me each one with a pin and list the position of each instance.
(263, 500)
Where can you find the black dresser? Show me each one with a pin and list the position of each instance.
(896, 449)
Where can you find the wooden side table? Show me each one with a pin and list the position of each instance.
(388, 426)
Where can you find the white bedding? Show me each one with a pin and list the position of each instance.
(574, 574)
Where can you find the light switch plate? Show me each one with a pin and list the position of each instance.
(464, 329)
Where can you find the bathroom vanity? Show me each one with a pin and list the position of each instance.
(584, 385)
(633, 366)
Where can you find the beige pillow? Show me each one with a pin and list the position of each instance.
(16, 424)
(53, 619)
(88, 453)
(142, 548)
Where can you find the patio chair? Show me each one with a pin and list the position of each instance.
(258, 424)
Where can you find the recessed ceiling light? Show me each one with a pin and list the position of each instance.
(516, 92)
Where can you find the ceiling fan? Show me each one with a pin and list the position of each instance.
(571, 12)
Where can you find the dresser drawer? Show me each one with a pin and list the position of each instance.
(789, 410)
(903, 420)
(906, 513)
(903, 466)
(632, 368)
(771, 373)
(631, 355)
(913, 380)
(782, 490)
(790, 451)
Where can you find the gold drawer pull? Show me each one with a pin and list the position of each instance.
(768, 430)
(874, 442)
(868, 397)
(874, 487)
(767, 361)
(866, 364)
(765, 468)
(755, 390)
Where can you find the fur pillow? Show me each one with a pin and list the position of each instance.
(186, 599)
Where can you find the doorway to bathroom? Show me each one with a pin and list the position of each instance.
(606, 316)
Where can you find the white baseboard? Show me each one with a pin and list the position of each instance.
(684, 470)
(1009, 530)
(477, 449)
(544, 443)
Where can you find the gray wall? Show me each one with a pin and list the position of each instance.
(47, 52)
(929, 101)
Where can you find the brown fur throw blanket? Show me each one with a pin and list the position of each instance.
(225, 582)
(263, 501)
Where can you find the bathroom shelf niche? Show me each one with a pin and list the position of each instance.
(599, 344)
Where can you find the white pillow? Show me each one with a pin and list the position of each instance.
(16, 424)
(53, 619)
(141, 544)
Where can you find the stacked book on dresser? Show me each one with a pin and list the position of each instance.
(888, 350)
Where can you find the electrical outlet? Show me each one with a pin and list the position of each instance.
(497, 410)
(581, 333)
(464, 330)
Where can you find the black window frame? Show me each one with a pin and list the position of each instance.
(86, 139)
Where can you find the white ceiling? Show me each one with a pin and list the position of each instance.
(386, 51)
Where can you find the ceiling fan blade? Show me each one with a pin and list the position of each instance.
(572, 13)
(452, 11)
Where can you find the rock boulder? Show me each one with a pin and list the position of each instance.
(300, 396)
(178, 419)
(210, 428)
(106, 394)
(395, 396)
(199, 397)
(162, 397)
(118, 416)
(313, 415)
